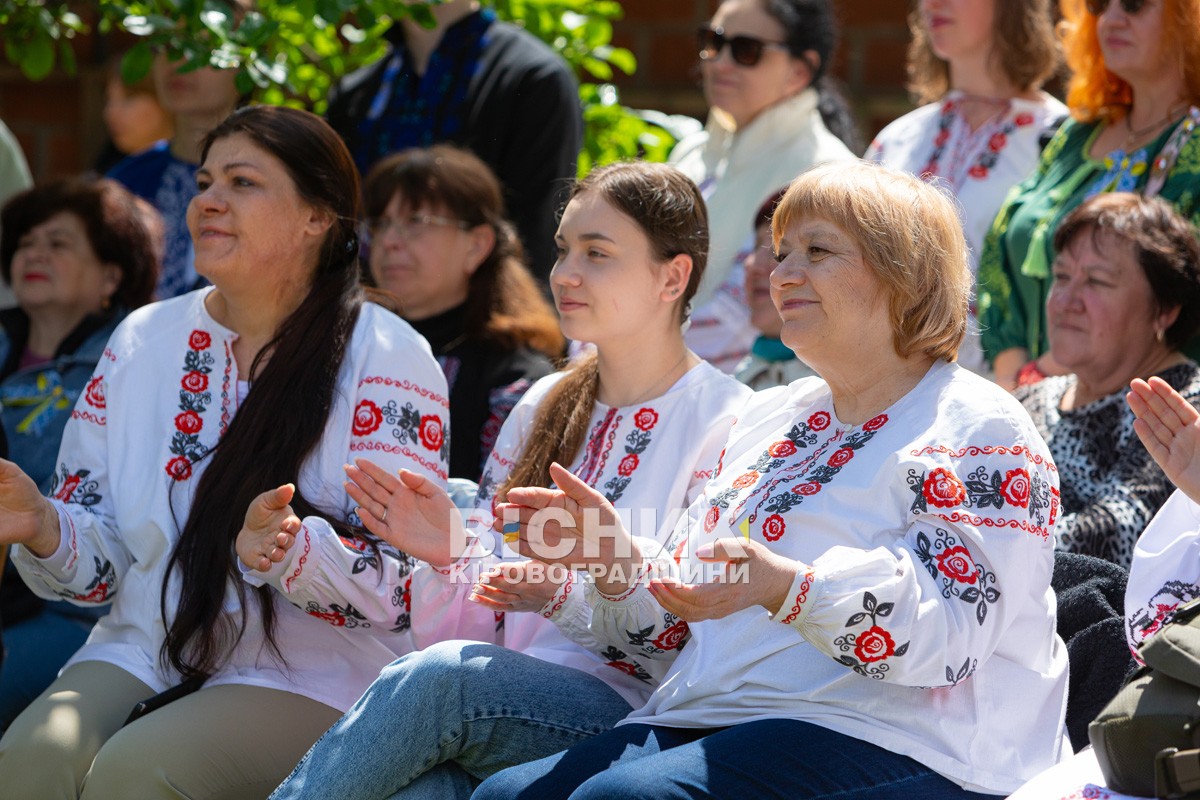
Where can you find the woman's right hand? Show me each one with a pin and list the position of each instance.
(1169, 427)
(408, 511)
(26, 517)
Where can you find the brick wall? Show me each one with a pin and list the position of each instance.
(58, 122)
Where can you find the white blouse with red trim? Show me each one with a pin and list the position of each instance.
(651, 460)
(921, 617)
(161, 397)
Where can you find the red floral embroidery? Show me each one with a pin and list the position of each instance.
(781, 449)
(332, 617)
(645, 419)
(942, 137)
(627, 668)
(841, 457)
(97, 595)
(95, 392)
(807, 489)
(195, 381)
(979, 172)
(711, 518)
(188, 422)
(179, 468)
(68, 487)
(943, 489)
(628, 464)
(997, 142)
(367, 418)
(1016, 487)
(875, 423)
(1054, 501)
(773, 527)
(431, 432)
(1023, 119)
(874, 644)
(679, 549)
(199, 340)
(672, 638)
(956, 563)
(745, 480)
(819, 421)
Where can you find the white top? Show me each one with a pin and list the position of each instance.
(651, 460)
(737, 170)
(162, 395)
(979, 167)
(921, 618)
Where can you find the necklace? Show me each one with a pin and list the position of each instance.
(1135, 135)
(659, 384)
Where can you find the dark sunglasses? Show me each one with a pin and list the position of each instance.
(746, 50)
(1098, 7)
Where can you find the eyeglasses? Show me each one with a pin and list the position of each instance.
(746, 50)
(412, 227)
(1098, 7)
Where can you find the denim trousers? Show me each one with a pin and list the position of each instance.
(775, 758)
(436, 722)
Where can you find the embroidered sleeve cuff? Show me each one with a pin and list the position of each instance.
(799, 599)
(468, 566)
(554, 605)
(287, 575)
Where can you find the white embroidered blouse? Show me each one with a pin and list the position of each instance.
(651, 461)
(161, 397)
(921, 618)
(980, 166)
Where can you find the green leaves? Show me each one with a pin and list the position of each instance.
(290, 52)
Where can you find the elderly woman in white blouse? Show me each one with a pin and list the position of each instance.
(859, 603)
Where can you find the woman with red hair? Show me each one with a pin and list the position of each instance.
(1133, 96)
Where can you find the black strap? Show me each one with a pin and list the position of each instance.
(1176, 773)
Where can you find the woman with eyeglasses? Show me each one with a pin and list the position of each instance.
(772, 116)
(978, 65)
(439, 242)
(1133, 95)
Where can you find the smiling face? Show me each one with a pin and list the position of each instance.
(958, 29)
(745, 92)
(425, 261)
(251, 229)
(1101, 313)
(608, 287)
(55, 270)
(1134, 45)
(830, 301)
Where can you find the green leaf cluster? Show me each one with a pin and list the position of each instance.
(291, 52)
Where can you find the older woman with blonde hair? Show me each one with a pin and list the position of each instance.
(978, 67)
(1133, 95)
(859, 602)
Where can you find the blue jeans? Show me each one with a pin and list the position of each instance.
(37, 649)
(436, 722)
(774, 758)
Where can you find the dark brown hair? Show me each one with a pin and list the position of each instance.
(1164, 246)
(504, 304)
(110, 217)
(1023, 46)
(670, 211)
(276, 428)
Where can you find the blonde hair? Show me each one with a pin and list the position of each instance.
(911, 238)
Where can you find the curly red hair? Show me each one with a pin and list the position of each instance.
(1093, 92)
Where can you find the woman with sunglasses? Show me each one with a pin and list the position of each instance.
(1133, 96)
(978, 66)
(772, 116)
(439, 242)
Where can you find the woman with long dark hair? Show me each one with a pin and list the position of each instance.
(641, 419)
(219, 422)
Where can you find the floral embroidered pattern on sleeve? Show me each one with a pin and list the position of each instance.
(412, 432)
(867, 651)
(102, 587)
(1146, 620)
(74, 487)
(950, 563)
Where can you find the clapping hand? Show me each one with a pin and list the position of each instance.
(574, 526)
(518, 586)
(1169, 427)
(26, 517)
(408, 511)
(765, 581)
(269, 529)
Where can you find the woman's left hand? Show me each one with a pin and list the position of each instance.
(767, 578)
(269, 529)
(519, 586)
